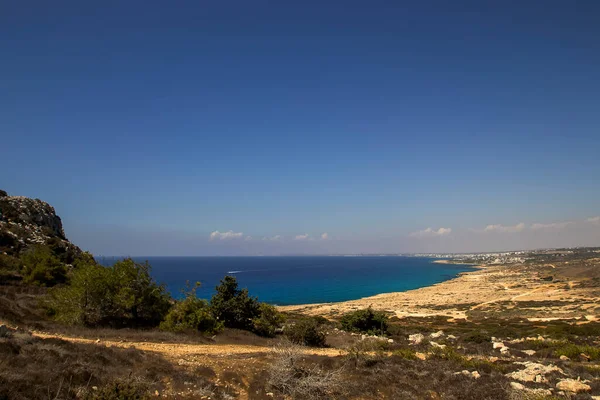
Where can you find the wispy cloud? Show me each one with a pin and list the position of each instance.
(324, 236)
(505, 229)
(272, 238)
(594, 220)
(431, 232)
(248, 238)
(551, 226)
(302, 237)
(216, 235)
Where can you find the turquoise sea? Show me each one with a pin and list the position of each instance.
(302, 279)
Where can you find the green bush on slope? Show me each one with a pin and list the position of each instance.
(365, 321)
(191, 313)
(41, 267)
(124, 295)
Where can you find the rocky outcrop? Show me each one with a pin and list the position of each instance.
(25, 222)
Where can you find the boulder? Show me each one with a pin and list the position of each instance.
(529, 352)
(532, 370)
(573, 386)
(564, 358)
(417, 338)
(517, 386)
(437, 345)
(437, 334)
(497, 345)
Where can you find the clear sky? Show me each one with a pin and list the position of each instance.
(256, 127)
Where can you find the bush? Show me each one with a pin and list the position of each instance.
(478, 337)
(9, 263)
(120, 390)
(234, 306)
(270, 319)
(123, 295)
(41, 267)
(290, 376)
(365, 321)
(306, 332)
(191, 313)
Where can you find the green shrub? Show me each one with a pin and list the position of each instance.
(124, 295)
(365, 321)
(9, 263)
(407, 354)
(191, 313)
(41, 267)
(120, 390)
(306, 332)
(270, 319)
(572, 350)
(234, 306)
(478, 337)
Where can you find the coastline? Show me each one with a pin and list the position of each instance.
(495, 290)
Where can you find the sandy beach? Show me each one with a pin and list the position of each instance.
(520, 291)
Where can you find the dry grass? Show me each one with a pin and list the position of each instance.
(291, 375)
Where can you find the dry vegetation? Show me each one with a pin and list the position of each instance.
(496, 353)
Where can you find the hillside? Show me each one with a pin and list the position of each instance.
(26, 222)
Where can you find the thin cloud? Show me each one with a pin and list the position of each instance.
(272, 238)
(216, 235)
(594, 220)
(248, 238)
(505, 229)
(324, 236)
(302, 237)
(551, 226)
(431, 232)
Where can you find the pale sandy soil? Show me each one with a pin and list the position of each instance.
(509, 291)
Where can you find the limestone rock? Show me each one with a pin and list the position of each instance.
(564, 358)
(25, 222)
(529, 352)
(532, 370)
(517, 386)
(437, 334)
(417, 338)
(437, 345)
(497, 345)
(573, 386)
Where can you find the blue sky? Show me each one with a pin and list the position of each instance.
(151, 125)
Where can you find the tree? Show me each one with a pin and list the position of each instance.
(366, 321)
(191, 313)
(269, 320)
(234, 306)
(124, 295)
(41, 267)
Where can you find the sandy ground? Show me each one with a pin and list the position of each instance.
(178, 351)
(509, 290)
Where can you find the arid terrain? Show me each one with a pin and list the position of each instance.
(524, 331)
(520, 330)
(538, 290)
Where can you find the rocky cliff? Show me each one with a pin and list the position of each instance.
(25, 222)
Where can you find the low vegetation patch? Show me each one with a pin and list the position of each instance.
(365, 321)
(191, 314)
(306, 332)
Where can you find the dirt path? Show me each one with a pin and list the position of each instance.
(175, 351)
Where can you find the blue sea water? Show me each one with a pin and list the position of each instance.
(301, 279)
